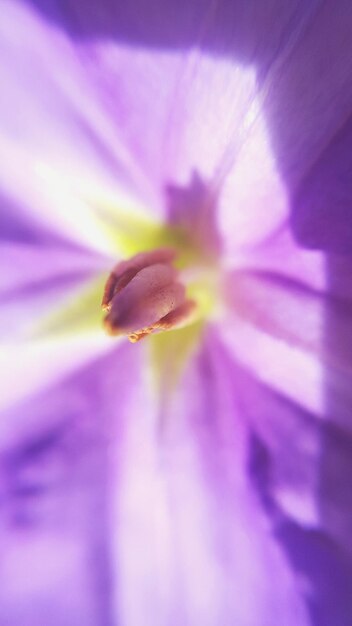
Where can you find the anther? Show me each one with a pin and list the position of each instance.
(144, 295)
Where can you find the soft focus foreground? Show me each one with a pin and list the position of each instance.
(200, 477)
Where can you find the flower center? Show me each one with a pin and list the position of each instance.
(174, 282)
(145, 295)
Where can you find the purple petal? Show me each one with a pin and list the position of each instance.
(191, 72)
(54, 525)
(292, 334)
(38, 280)
(30, 367)
(295, 161)
(63, 159)
(192, 544)
(222, 500)
(141, 512)
(199, 82)
(299, 464)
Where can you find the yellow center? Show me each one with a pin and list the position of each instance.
(132, 233)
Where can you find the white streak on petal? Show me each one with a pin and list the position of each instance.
(29, 367)
(253, 200)
(287, 369)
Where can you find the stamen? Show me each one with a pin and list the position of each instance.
(144, 295)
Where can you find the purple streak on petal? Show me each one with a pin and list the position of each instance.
(55, 515)
(15, 226)
(280, 307)
(19, 228)
(280, 254)
(23, 265)
(35, 280)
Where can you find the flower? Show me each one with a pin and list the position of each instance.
(199, 477)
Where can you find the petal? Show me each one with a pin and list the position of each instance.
(180, 526)
(151, 97)
(119, 46)
(204, 85)
(254, 203)
(29, 367)
(38, 281)
(294, 165)
(54, 516)
(60, 154)
(297, 319)
(311, 99)
(193, 545)
(299, 466)
(308, 109)
(293, 337)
